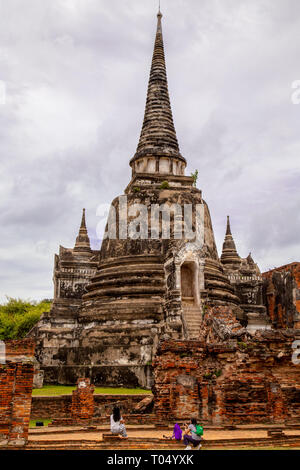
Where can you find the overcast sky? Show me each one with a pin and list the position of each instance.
(76, 74)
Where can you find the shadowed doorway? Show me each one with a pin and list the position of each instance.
(188, 283)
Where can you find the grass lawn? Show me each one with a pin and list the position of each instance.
(67, 390)
(45, 421)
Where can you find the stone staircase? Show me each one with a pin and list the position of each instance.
(192, 319)
(109, 442)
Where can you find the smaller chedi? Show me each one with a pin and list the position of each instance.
(73, 268)
(57, 333)
(246, 278)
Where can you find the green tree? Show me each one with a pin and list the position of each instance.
(18, 316)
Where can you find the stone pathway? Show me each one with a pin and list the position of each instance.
(209, 435)
(148, 437)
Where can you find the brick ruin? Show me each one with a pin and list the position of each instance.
(16, 378)
(58, 408)
(228, 376)
(282, 295)
(212, 334)
(82, 408)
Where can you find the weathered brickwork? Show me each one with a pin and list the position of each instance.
(105, 420)
(60, 406)
(282, 295)
(229, 376)
(82, 407)
(16, 378)
(51, 407)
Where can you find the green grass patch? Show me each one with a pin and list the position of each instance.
(46, 421)
(53, 390)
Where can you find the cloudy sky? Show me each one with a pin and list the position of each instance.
(75, 75)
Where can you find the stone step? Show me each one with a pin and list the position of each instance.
(192, 310)
(193, 317)
(193, 314)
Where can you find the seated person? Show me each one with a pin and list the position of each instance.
(190, 436)
(177, 433)
(117, 425)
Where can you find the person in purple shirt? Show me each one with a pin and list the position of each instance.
(177, 433)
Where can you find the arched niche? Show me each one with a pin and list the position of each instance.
(189, 283)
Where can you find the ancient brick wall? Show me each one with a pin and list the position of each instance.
(60, 406)
(105, 419)
(51, 407)
(247, 381)
(282, 295)
(16, 378)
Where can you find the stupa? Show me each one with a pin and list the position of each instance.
(156, 273)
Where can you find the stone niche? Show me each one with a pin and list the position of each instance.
(164, 165)
(184, 395)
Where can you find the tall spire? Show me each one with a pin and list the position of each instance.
(158, 135)
(229, 254)
(228, 229)
(82, 240)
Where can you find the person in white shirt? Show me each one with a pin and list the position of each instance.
(117, 425)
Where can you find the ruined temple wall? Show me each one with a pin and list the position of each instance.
(16, 378)
(241, 382)
(282, 295)
(60, 406)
